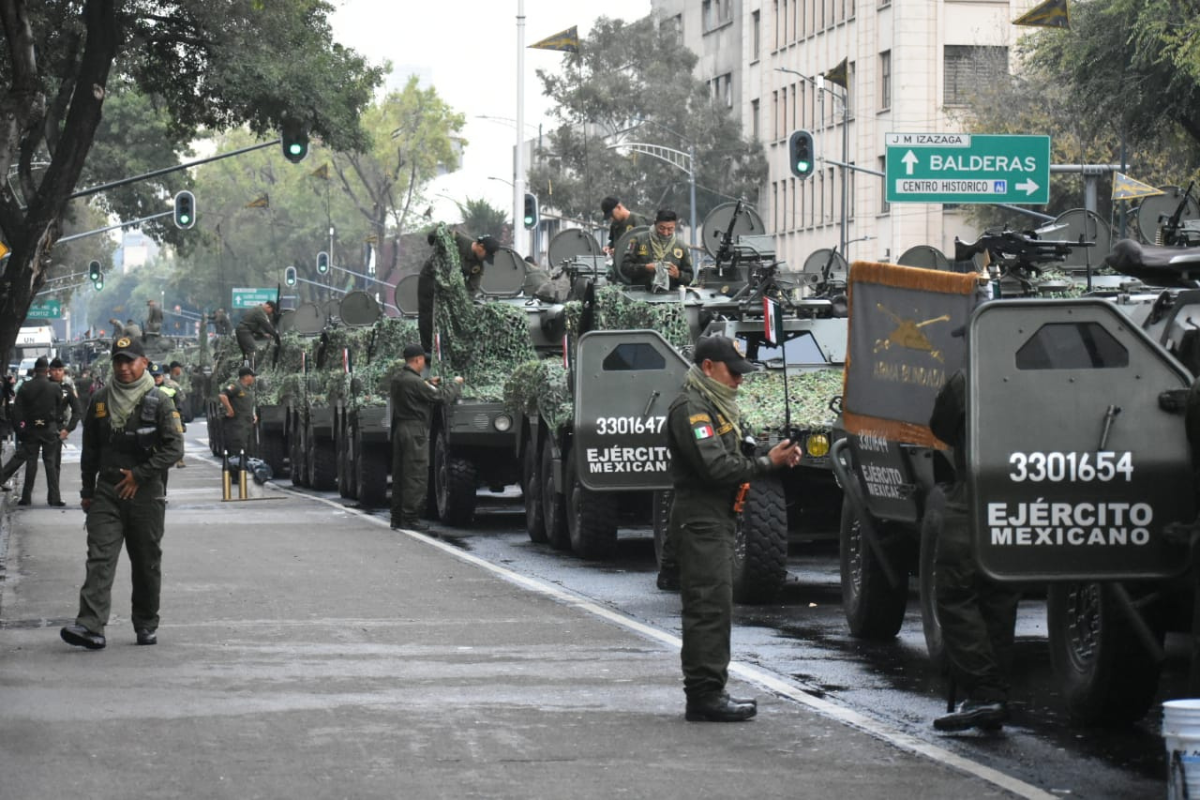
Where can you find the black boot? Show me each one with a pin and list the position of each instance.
(988, 716)
(718, 708)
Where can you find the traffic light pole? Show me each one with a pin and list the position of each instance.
(75, 236)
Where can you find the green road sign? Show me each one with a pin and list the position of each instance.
(967, 168)
(249, 298)
(45, 309)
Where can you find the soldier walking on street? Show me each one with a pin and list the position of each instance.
(413, 399)
(623, 221)
(70, 411)
(710, 475)
(131, 437)
(257, 320)
(238, 400)
(36, 415)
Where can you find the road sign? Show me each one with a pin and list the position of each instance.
(249, 298)
(967, 168)
(45, 309)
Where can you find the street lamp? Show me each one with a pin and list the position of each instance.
(819, 83)
(670, 155)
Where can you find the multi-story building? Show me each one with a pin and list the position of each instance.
(910, 65)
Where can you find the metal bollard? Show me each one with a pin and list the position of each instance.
(226, 480)
(242, 475)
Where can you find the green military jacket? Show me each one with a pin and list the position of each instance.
(37, 409)
(618, 229)
(640, 253)
(471, 265)
(242, 400)
(256, 321)
(413, 397)
(707, 465)
(70, 410)
(148, 445)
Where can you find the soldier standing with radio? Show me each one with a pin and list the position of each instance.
(709, 473)
(131, 437)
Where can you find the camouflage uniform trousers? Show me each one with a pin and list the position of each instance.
(138, 523)
(704, 540)
(978, 615)
(410, 470)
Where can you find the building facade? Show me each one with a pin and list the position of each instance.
(911, 65)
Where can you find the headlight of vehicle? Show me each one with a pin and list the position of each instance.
(817, 445)
(503, 422)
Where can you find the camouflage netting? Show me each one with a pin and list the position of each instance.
(482, 342)
(761, 399)
(227, 358)
(540, 388)
(615, 310)
(281, 380)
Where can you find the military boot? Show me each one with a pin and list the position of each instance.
(988, 716)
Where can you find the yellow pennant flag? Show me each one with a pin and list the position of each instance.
(1049, 14)
(4, 251)
(840, 74)
(566, 41)
(1126, 188)
(321, 172)
(262, 201)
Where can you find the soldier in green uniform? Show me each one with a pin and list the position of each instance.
(978, 615)
(255, 321)
(70, 413)
(238, 400)
(37, 415)
(623, 221)
(708, 470)
(131, 437)
(154, 318)
(412, 400)
(473, 254)
(656, 259)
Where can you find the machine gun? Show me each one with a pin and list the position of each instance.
(723, 252)
(1173, 231)
(1017, 255)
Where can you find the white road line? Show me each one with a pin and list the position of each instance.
(748, 672)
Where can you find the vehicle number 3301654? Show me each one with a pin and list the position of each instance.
(614, 426)
(1056, 467)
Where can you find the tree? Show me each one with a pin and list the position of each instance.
(633, 83)
(215, 64)
(481, 218)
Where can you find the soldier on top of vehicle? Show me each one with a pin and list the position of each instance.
(256, 320)
(623, 221)
(656, 259)
(473, 254)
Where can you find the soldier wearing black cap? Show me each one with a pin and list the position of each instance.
(623, 220)
(239, 421)
(656, 259)
(37, 414)
(473, 255)
(708, 471)
(412, 401)
(71, 411)
(256, 321)
(131, 437)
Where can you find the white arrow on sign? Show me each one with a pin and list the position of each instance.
(1028, 185)
(910, 160)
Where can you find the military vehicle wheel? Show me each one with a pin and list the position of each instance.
(371, 468)
(760, 544)
(299, 452)
(591, 517)
(931, 529)
(322, 465)
(660, 515)
(454, 484)
(531, 491)
(554, 511)
(873, 607)
(345, 458)
(1106, 674)
(272, 451)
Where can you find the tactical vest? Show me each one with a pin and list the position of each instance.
(137, 438)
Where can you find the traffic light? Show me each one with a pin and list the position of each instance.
(800, 149)
(94, 273)
(294, 137)
(99, 282)
(322, 263)
(531, 210)
(185, 210)
(289, 276)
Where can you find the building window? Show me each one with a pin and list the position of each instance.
(885, 80)
(884, 206)
(778, 28)
(783, 114)
(969, 69)
(850, 191)
(755, 35)
(676, 23)
(795, 110)
(755, 132)
(729, 90)
(775, 204)
(834, 206)
(849, 94)
(707, 20)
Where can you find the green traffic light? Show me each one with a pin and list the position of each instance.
(184, 219)
(528, 221)
(295, 148)
(802, 166)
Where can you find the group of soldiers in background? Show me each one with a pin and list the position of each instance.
(43, 413)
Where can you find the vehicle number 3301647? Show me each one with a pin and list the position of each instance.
(1056, 467)
(614, 426)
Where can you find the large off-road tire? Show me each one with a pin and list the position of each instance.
(299, 454)
(660, 518)
(873, 607)
(1106, 675)
(272, 449)
(591, 517)
(322, 463)
(760, 544)
(531, 491)
(554, 504)
(345, 458)
(454, 484)
(371, 472)
(931, 624)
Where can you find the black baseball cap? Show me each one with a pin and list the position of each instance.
(412, 351)
(57, 363)
(722, 348)
(128, 347)
(608, 204)
(41, 363)
(490, 245)
(156, 368)
(244, 371)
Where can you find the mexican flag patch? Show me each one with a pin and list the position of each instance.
(704, 431)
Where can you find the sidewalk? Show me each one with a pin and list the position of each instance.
(310, 652)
